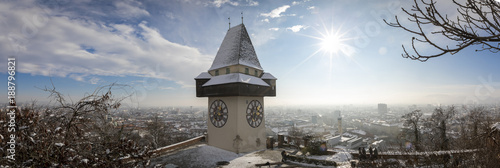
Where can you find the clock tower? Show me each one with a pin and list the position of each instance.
(235, 86)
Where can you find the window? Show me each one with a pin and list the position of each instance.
(246, 71)
(228, 71)
(216, 72)
(256, 73)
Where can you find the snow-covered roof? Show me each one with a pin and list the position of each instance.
(268, 76)
(236, 48)
(204, 75)
(235, 78)
(360, 132)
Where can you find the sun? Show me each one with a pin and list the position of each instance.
(331, 43)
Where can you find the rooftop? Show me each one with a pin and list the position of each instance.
(236, 49)
(268, 76)
(204, 75)
(235, 78)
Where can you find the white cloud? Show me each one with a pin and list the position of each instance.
(265, 20)
(296, 2)
(165, 88)
(296, 28)
(170, 15)
(262, 35)
(276, 12)
(56, 46)
(95, 80)
(76, 77)
(252, 3)
(274, 29)
(312, 9)
(130, 8)
(219, 3)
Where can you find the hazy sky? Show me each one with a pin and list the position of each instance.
(158, 47)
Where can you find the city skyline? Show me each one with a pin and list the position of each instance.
(322, 52)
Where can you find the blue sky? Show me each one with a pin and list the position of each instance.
(158, 47)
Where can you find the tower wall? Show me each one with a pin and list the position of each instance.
(236, 77)
(250, 139)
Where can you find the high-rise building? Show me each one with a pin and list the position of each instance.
(339, 122)
(382, 108)
(235, 86)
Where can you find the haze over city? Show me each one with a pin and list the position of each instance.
(322, 52)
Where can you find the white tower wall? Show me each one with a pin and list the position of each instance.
(251, 139)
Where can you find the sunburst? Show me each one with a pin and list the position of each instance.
(333, 42)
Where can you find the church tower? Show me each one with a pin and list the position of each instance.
(235, 86)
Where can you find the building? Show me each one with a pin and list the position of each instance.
(339, 122)
(354, 143)
(235, 86)
(314, 119)
(382, 108)
(332, 141)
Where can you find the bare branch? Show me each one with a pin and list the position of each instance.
(477, 23)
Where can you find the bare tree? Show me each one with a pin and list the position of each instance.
(295, 131)
(476, 116)
(439, 125)
(480, 135)
(413, 121)
(296, 134)
(72, 134)
(477, 145)
(157, 129)
(477, 23)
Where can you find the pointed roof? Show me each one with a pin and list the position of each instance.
(204, 75)
(236, 48)
(268, 76)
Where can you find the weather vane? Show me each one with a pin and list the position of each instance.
(229, 18)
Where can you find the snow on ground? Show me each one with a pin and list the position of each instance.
(196, 156)
(259, 157)
(338, 157)
(203, 155)
(207, 156)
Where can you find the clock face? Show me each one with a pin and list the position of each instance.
(218, 113)
(255, 113)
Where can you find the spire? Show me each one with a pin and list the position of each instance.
(229, 18)
(241, 17)
(236, 49)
